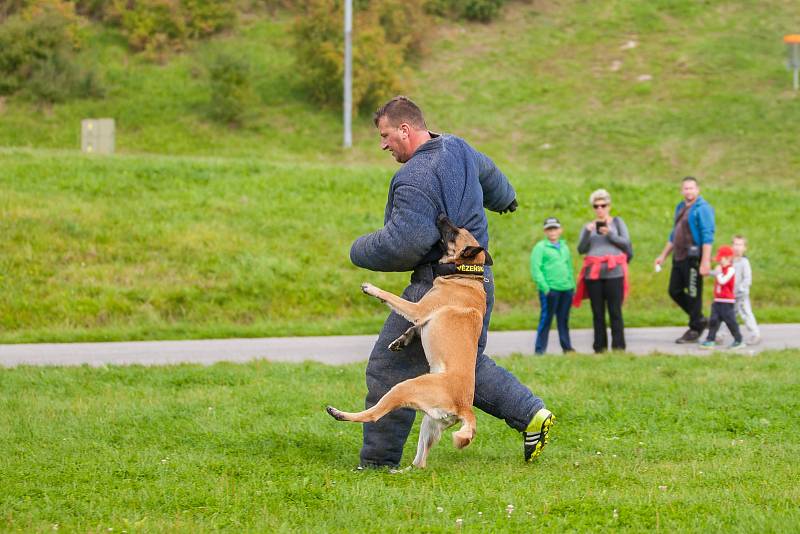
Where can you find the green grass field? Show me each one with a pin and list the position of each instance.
(641, 444)
(197, 230)
(161, 247)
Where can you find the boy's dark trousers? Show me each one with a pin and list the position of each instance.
(497, 392)
(686, 289)
(723, 312)
(609, 293)
(558, 304)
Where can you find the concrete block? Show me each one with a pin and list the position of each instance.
(97, 136)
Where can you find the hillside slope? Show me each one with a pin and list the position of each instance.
(549, 87)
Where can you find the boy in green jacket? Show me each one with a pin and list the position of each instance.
(551, 268)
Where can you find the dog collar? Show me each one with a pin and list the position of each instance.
(449, 269)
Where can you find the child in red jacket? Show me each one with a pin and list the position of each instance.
(724, 307)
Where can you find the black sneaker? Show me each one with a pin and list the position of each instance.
(703, 324)
(535, 436)
(690, 336)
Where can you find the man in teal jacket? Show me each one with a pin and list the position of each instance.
(690, 244)
(551, 269)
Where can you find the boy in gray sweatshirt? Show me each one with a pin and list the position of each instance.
(744, 279)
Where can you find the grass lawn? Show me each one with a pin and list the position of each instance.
(142, 247)
(642, 443)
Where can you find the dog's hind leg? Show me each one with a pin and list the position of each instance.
(429, 434)
(420, 393)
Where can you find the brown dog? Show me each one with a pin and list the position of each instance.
(449, 319)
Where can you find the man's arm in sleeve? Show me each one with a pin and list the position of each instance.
(406, 237)
(707, 224)
(537, 255)
(570, 268)
(498, 193)
(678, 208)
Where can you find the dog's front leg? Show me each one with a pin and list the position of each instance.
(406, 309)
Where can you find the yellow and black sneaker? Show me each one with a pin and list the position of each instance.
(535, 436)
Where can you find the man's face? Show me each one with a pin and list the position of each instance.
(690, 190)
(395, 139)
(553, 234)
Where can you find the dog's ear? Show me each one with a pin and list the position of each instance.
(471, 252)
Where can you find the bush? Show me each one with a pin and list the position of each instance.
(232, 95)
(37, 57)
(478, 10)
(406, 23)
(386, 34)
(482, 10)
(57, 78)
(157, 26)
(9, 7)
(95, 9)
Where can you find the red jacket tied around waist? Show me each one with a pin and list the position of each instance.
(594, 264)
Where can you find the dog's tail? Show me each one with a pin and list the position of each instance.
(466, 433)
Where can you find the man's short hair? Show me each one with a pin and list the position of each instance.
(690, 179)
(401, 109)
(740, 237)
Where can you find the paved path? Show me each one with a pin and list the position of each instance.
(341, 349)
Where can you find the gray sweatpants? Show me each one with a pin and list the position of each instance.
(745, 311)
(497, 392)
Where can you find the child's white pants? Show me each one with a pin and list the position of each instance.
(744, 311)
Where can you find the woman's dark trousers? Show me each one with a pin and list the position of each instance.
(607, 293)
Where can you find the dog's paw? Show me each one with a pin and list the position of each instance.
(369, 289)
(402, 471)
(333, 412)
(397, 345)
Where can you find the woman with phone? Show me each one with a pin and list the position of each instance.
(603, 279)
